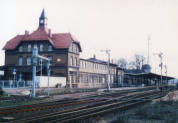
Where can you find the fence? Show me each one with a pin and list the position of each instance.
(14, 84)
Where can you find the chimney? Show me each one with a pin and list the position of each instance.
(26, 32)
(49, 33)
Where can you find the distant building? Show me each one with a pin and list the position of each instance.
(136, 77)
(64, 52)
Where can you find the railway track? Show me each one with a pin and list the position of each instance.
(65, 102)
(89, 106)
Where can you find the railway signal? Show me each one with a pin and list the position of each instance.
(108, 74)
(35, 55)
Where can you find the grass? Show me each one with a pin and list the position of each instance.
(158, 112)
(2, 93)
(161, 111)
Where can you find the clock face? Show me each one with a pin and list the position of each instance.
(41, 21)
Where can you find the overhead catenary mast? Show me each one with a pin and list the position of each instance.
(148, 57)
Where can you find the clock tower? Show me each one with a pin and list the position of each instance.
(43, 19)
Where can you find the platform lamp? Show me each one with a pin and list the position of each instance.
(107, 51)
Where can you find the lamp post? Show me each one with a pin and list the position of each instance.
(166, 73)
(107, 51)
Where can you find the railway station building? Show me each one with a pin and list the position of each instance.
(63, 50)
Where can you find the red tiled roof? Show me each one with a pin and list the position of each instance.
(12, 44)
(40, 34)
(59, 40)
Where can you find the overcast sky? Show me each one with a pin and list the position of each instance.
(119, 25)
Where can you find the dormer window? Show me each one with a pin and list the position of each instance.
(49, 48)
(29, 47)
(20, 49)
(41, 47)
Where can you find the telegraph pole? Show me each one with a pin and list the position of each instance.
(108, 71)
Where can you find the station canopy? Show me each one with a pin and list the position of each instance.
(150, 75)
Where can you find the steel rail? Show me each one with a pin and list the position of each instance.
(70, 112)
(45, 105)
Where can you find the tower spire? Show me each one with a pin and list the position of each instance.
(43, 19)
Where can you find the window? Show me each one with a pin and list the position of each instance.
(51, 59)
(71, 61)
(40, 61)
(49, 48)
(35, 45)
(76, 62)
(72, 47)
(20, 49)
(41, 47)
(28, 60)
(29, 47)
(20, 60)
(85, 64)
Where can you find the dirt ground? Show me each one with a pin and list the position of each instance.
(172, 96)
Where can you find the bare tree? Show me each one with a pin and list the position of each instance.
(136, 63)
(139, 61)
(131, 65)
(122, 63)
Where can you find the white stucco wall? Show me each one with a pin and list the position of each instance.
(42, 81)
